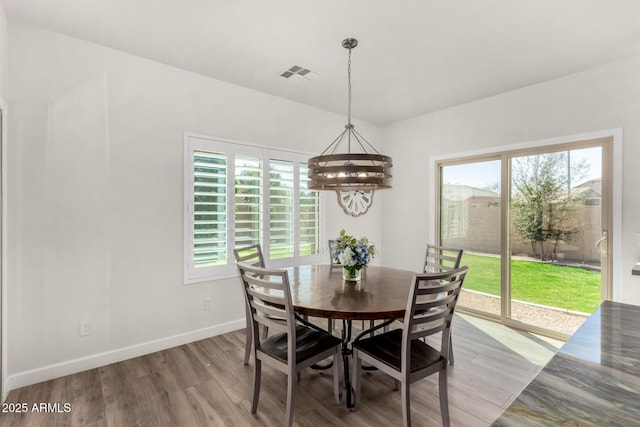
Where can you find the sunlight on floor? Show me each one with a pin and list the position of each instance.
(539, 349)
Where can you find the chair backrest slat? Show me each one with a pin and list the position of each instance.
(250, 254)
(263, 305)
(435, 302)
(432, 316)
(441, 259)
(428, 289)
(273, 325)
(428, 331)
(261, 282)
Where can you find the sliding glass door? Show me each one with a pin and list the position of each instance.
(470, 219)
(534, 226)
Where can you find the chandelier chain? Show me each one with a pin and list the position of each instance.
(349, 86)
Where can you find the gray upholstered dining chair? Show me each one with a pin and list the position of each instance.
(401, 353)
(297, 344)
(253, 255)
(442, 259)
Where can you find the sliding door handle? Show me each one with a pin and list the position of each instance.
(602, 243)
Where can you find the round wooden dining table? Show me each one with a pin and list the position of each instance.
(319, 291)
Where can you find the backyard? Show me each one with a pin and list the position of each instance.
(553, 285)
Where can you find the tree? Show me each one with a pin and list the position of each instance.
(541, 197)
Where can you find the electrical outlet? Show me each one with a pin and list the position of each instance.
(86, 328)
(208, 303)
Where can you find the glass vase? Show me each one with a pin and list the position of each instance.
(351, 274)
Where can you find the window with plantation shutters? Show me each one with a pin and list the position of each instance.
(209, 208)
(239, 195)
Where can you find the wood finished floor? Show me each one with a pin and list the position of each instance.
(204, 383)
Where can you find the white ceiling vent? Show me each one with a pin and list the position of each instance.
(296, 70)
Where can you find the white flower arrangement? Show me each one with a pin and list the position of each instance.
(352, 253)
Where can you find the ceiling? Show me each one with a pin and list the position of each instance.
(414, 56)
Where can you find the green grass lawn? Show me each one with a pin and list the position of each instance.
(571, 288)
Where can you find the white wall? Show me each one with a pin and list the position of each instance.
(96, 199)
(603, 98)
(4, 55)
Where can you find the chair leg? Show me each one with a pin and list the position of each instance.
(247, 340)
(247, 348)
(257, 371)
(406, 407)
(291, 383)
(444, 397)
(337, 375)
(451, 349)
(355, 379)
(265, 332)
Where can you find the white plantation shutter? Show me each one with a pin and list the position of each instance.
(309, 204)
(281, 209)
(209, 209)
(238, 195)
(248, 201)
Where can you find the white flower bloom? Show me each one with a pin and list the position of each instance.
(346, 257)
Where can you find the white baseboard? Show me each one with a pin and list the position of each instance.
(33, 376)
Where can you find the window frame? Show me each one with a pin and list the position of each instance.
(231, 148)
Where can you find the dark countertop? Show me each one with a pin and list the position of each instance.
(593, 380)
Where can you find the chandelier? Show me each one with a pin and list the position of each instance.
(362, 169)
